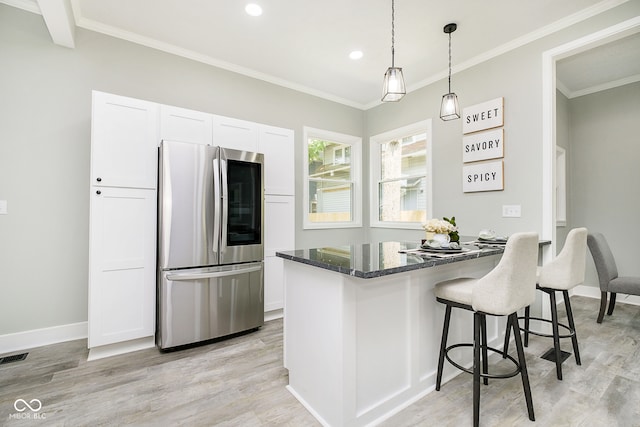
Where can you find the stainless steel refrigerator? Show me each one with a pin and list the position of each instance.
(210, 243)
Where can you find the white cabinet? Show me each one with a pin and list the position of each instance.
(279, 235)
(121, 264)
(180, 124)
(277, 145)
(124, 140)
(234, 133)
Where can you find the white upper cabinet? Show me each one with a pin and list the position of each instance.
(124, 141)
(277, 145)
(235, 134)
(180, 124)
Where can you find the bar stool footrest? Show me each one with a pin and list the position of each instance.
(540, 334)
(483, 375)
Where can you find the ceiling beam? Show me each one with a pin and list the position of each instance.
(58, 17)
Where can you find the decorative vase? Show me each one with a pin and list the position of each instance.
(429, 235)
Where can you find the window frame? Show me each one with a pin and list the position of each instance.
(355, 143)
(375, 141)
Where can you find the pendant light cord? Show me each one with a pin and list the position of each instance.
(449, 62)
(393, 33)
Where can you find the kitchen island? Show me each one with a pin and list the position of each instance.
(362, 327)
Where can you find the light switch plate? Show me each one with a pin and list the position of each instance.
(3, 207)
(511, 211)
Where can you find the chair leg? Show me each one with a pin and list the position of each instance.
(572, 326)
(556, 334)
(513, 320)
(484, 344)
(527, 313)
(507, 337)
(612, 303)
(477, 320)
(443, 345)
(603, 305)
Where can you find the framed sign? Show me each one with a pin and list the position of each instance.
(486, 115)
(483, 145)
(486, 176)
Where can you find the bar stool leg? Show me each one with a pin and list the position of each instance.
(505, 346)
(556, 334)
(527, 313)
(513, 320)
(572, 326)
(477, 320)
(483, 345)
(443, 346)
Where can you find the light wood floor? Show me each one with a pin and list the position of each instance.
(240, 382)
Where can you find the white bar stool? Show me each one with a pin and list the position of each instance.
(510, 286)
(563, 273)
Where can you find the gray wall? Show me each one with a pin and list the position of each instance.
(45, 118)
(563, 131)
(45, 108)
(605, 171)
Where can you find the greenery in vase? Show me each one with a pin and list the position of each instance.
(453, 235)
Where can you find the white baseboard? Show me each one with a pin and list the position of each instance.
(273, 315)
(109, 350)
(594, 292)
(39, 337)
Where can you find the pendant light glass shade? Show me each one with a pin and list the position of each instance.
(449, 109)
(393, 88)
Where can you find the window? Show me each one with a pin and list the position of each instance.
(400, 170)
(332, 195)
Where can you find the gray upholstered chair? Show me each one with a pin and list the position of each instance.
(564, 272)
(510, 286)
(608, 277)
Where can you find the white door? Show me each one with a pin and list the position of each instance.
(121, 265)
(279, 235)
(124, 141)
(234, 133)
(277, 145)
(179, 124)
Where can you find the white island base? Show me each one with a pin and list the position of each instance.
(360, 350)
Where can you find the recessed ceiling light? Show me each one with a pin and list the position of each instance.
(253, 9)
(356, 54)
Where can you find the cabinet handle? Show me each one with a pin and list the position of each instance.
(98, 179)
(98, 192)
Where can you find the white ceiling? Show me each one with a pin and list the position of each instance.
(305, 45)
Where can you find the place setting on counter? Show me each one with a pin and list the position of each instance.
(443, 241)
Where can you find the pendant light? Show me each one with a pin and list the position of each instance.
(393, 88)
(449, 110)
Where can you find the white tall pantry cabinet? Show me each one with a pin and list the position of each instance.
(122, 230)
(125, 135)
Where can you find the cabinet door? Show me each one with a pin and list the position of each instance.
(124, 140)
(234, 133)
(277, 145)
(121, 265)
(279, 235)
(179, 124)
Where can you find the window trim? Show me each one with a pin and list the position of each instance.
(375, 173)
(355, 143)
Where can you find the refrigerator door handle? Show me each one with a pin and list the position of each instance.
(216, 206)
(224, 191)
(211, 274)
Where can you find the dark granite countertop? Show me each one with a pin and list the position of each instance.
(368, 261)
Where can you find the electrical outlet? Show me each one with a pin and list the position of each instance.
(511, 211)
(3, 207)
